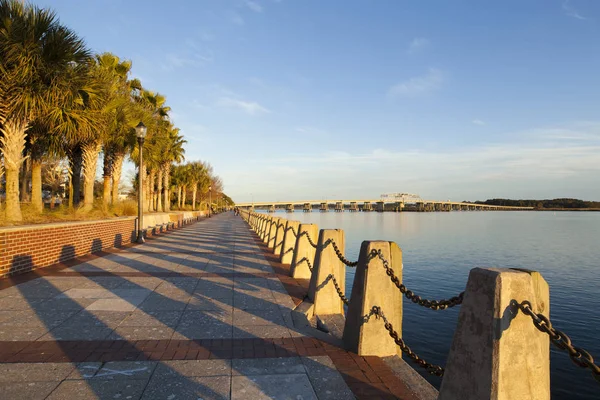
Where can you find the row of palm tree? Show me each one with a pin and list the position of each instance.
(60, 101)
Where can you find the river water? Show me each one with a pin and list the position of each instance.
(439, 249)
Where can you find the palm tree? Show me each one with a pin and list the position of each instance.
(38, 56)
(119, 145)
(196, 175)
(118, 117)
(155, 116)
(171, 151)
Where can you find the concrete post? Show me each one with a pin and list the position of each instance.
(497, 353)
(272, 232)
(372, 287)
(279, 234)
(289, 242)
(380, 206)
(265, 228)
(259, 221)
(321, 289)
(304, 251)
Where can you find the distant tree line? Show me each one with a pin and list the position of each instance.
(541, 204)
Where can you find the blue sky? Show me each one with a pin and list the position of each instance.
(313, 99)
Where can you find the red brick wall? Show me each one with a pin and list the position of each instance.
(25, 248)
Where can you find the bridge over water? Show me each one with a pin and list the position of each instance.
(379, 205)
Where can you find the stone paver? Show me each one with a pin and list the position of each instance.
(200, 312)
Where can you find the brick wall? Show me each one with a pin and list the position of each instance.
(35, 246)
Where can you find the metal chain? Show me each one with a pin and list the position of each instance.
(432, 304)
(431, 368)
(310, 267)
(313, 244)
(293, 230)
(338, 289)
(341, 256)
(579, 356)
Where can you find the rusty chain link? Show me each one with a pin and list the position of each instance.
(341, 256)
(310, 267)
(431, 368)
(338, 289)
(431, 304)
(579, 356)
(305, 233)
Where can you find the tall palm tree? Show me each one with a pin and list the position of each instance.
(155, 115)
(117, 116)
(197, 174)
(171, 151)
(38, 56)
(178, 181)
(119, 145)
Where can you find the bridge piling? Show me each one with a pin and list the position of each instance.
(372, 287)
(327, 267)
(497, 352)
(304, 253)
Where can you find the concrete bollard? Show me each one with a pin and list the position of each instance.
(289, 242)
(273, 232)
(259, 219)
(373, 287)
(279, 234)
(304, 251)
(261, 228)
(267, 229)
(321, 289)
(497, 353)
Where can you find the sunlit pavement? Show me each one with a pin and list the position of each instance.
(196, 313)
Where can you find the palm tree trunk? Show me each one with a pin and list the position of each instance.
(24, 179)
(159, 189)
(143, 187)
(91, 151)
(117, 168)
(167, 186)
(70, 190)
(184, 196)
(179, 197)
(12, 144)
(107, 177)
(76, 164)
(194, 190)
(36, 185)
(151, 182)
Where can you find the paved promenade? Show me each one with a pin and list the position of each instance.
(198, 313)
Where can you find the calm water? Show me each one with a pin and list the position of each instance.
(439, 249)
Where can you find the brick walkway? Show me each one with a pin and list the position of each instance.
(202, 312)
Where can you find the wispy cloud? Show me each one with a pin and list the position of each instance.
(191, 54)
(417, 86)
(254, 6)
(237, 19)
(193, 60)
(533, 165)
(417, 44)
(248, 107)
(570, 11)
(478, 122)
